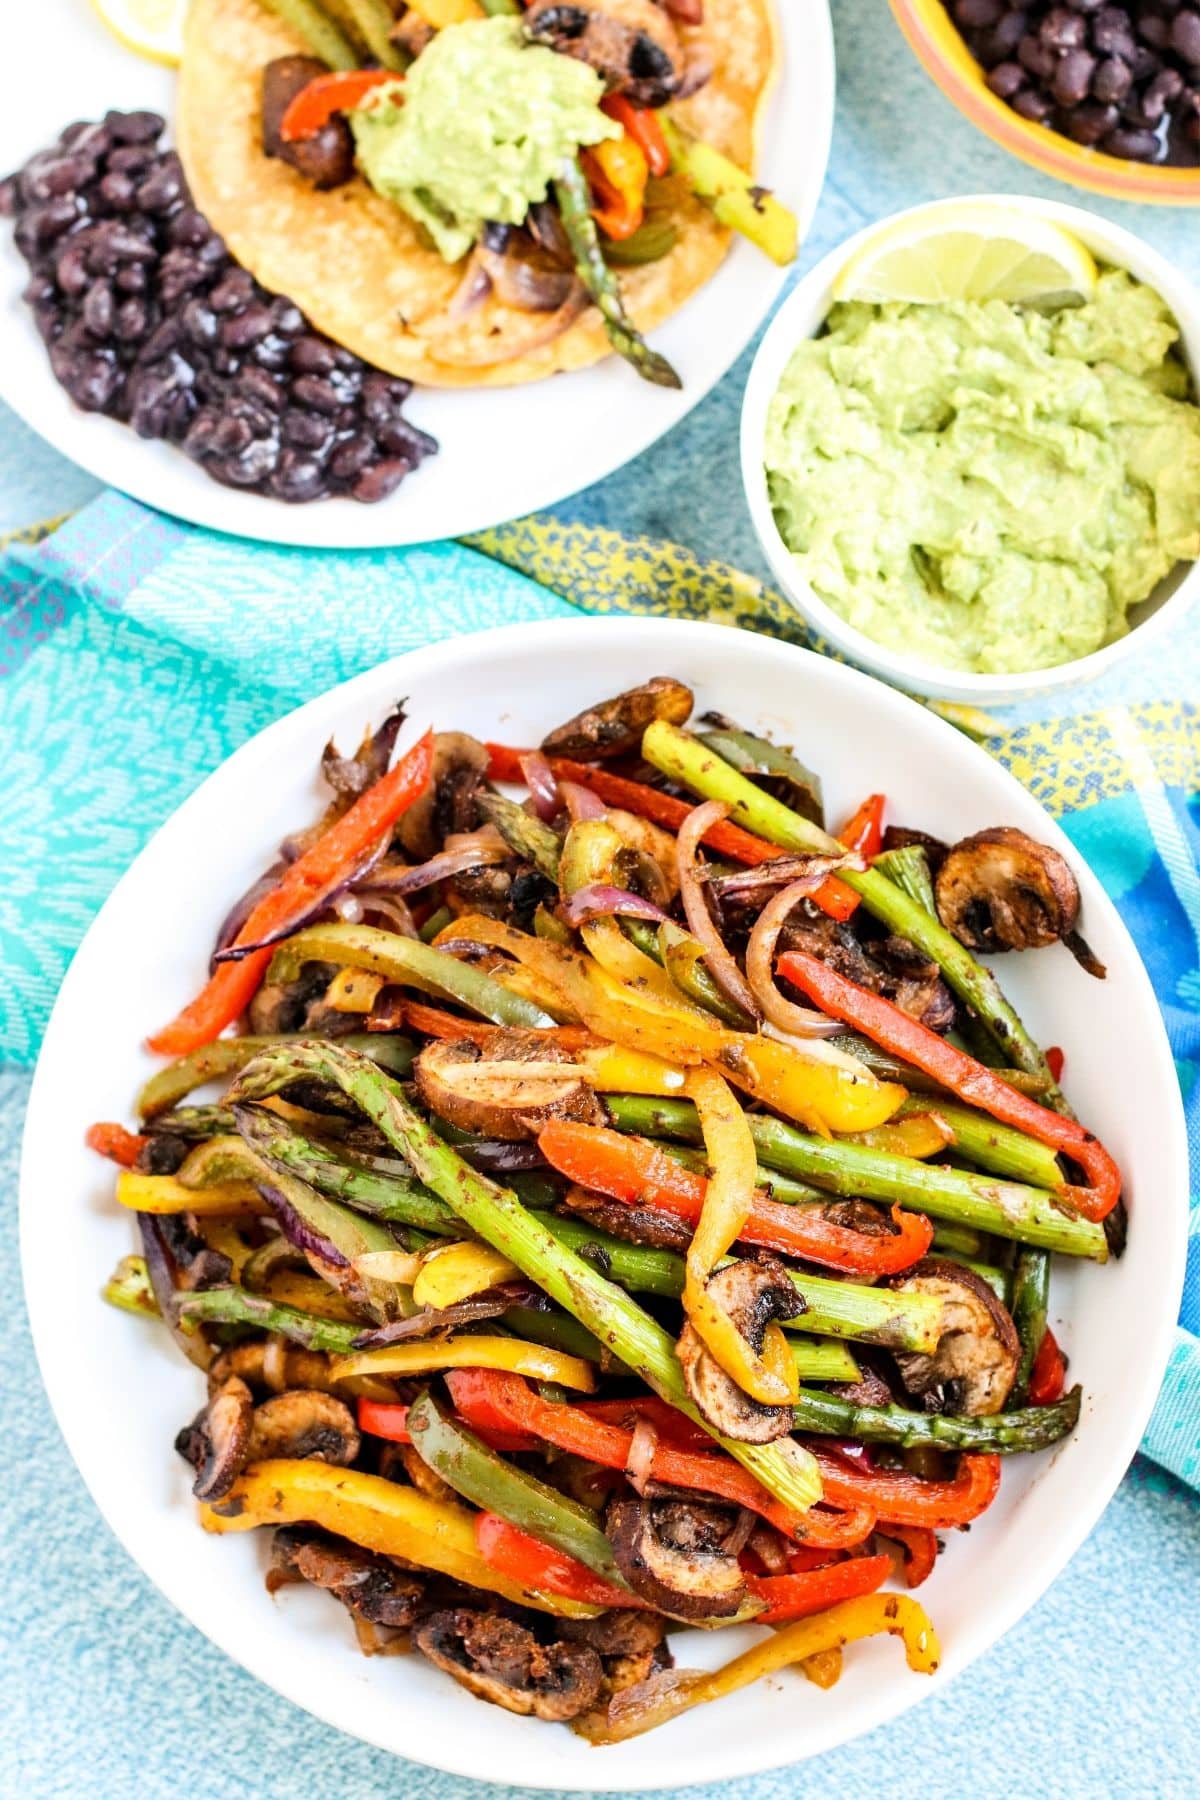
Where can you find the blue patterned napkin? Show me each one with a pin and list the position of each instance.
(136, 653)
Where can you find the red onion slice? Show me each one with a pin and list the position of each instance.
(580, 802)
(718, 960)
(539, 779)
(603, 902)
(640, 1461)
(309, 907)
(474, 850)
(804, 1021)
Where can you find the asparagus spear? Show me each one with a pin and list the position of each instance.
(991, 1146)
(1001, 1434)
(498, 1217)
(571, 192)
(234, 1306)
(226, 1055)
(435, 924)
(685, 759)
(373, 21)
(894, 1068)
(1005, 1208)
(1031, 1294)
(409, 962)
(735, 197)
(129, 1289)
(320, 34)
(767, 763)
(908, 867)
(528, 836)
(193, 1122)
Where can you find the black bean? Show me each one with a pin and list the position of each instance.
(381, 479)
(1073, 77)
(188, 228)
(162, 340)
(132, 320)
(42, 224)
(85, 134)
(255, 384)
(312, 356)
(297, 477)
(1005, 37)
(199, 323)
(1154, 30)
(241, 329)
(271, 352)
(131, 159)
(310, 390)
(131, 278)
(1006, 79)
(48, 319)
(308, 431)
(1090, 122)
(1185, 37)
(1062, 29)
(352, 457)
(38, 290)
(1032, 106)
(1134, 146)
(1112, 34)
(71, 270)
(1166, 88)
(253, 465)
(117, 191)
(286, 318)
(134, 127)
(231, 435)
(99, 307)
(978, 15)
(1112, 80)
(1037, 57)
(232, 293)
(162, 189)
(9, 197)
(1144, 63)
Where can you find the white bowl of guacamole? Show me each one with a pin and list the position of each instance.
(980, 502)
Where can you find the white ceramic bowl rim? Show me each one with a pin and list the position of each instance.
(119, 1396)
(796, 319)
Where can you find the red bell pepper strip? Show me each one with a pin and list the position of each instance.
(1048, 1376)
(863, 830)
(512, 1552)
(634, 1170)
(644, 127)
(674, 1427)
(119, 1145)
(796, 1596)
(903, 1036)
(920, 1548)
(434, 1021)
(313, 107)
(235, 984)
(908, 1499)
(389, 1419)
(492, 1400)
(1055, 1061)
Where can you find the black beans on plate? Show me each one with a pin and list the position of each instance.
(1123, 79)
(147, 318)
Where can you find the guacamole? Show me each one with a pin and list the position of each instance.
(988, 488)
(482, 124)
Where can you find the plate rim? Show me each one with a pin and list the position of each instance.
(1122, 1438)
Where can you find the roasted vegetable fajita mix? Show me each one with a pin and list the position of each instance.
(603, 1200)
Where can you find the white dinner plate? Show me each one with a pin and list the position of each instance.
(504, 452)
(121, 1390)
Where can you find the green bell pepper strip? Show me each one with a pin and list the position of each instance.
(128, 1288)
(1007, 1209)
(498, 1217)
(225, 1056)
(488, 1481)
(556, 1330)
(758, 758)
(686, 759)
(410, 963)
(999, 1434)
(682, 957)
(321, 36)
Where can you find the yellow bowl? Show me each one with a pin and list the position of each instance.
(939, 45)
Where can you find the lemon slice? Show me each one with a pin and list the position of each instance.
(152, 28)
(970, 250)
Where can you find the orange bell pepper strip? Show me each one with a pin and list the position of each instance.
(643, 125)
(1047, 1378)
(788, 1597)
(120, 1146)
(492, 1400)
(633, 1169)
(617, 172)
(910, 1500)
(313, 107)
(234, 984)
(920, 1548)
(524, 1559)
(434, 1021)
(885, 1024)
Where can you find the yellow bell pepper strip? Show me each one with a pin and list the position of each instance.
(824, 1096)
(166, 1194)
(644, 126)
(668, 1694)
(972, 1081)
(631, 1168)
(736, 199)
(921, 1133)
(234, 984)
(769, 1376)
(376, 1514)
(481, 1476)
(617, 172)
(470, 1351)
(496, 1215)
(354, 990)
(440, 13)
(453, 1272)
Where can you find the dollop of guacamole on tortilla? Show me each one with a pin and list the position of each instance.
(481, 126)
(986, 487)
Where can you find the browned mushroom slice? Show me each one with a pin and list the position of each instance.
(631, 1645)
(975, 1364)
(217, 1442)
(502, 1661)
(326, 159)
(644, 1225)
(304, 1423)
(369, 1586)
(751, 1294)
(449, 802)
(679, 1554)
(505, 1087)
(889, 966)
(614, 727)
(999, 890)
(632, 43)
(249, 1361)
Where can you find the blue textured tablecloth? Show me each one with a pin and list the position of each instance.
(108, 1693)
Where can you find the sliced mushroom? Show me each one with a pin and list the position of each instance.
(632, 43)
(1000, 890)
(217, 1442)
(631, 1645)
(751, 1294)
(350, 776)
(284, 1007)
(502, 1661)
(303, 1422)
(370, 1587)
(449, 802)
(614, 727)
(327, 158)
(975, 1364)
(675, 1553)
(644, 1225)
(485, 1087)
(249, 1361)
(889, 966)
